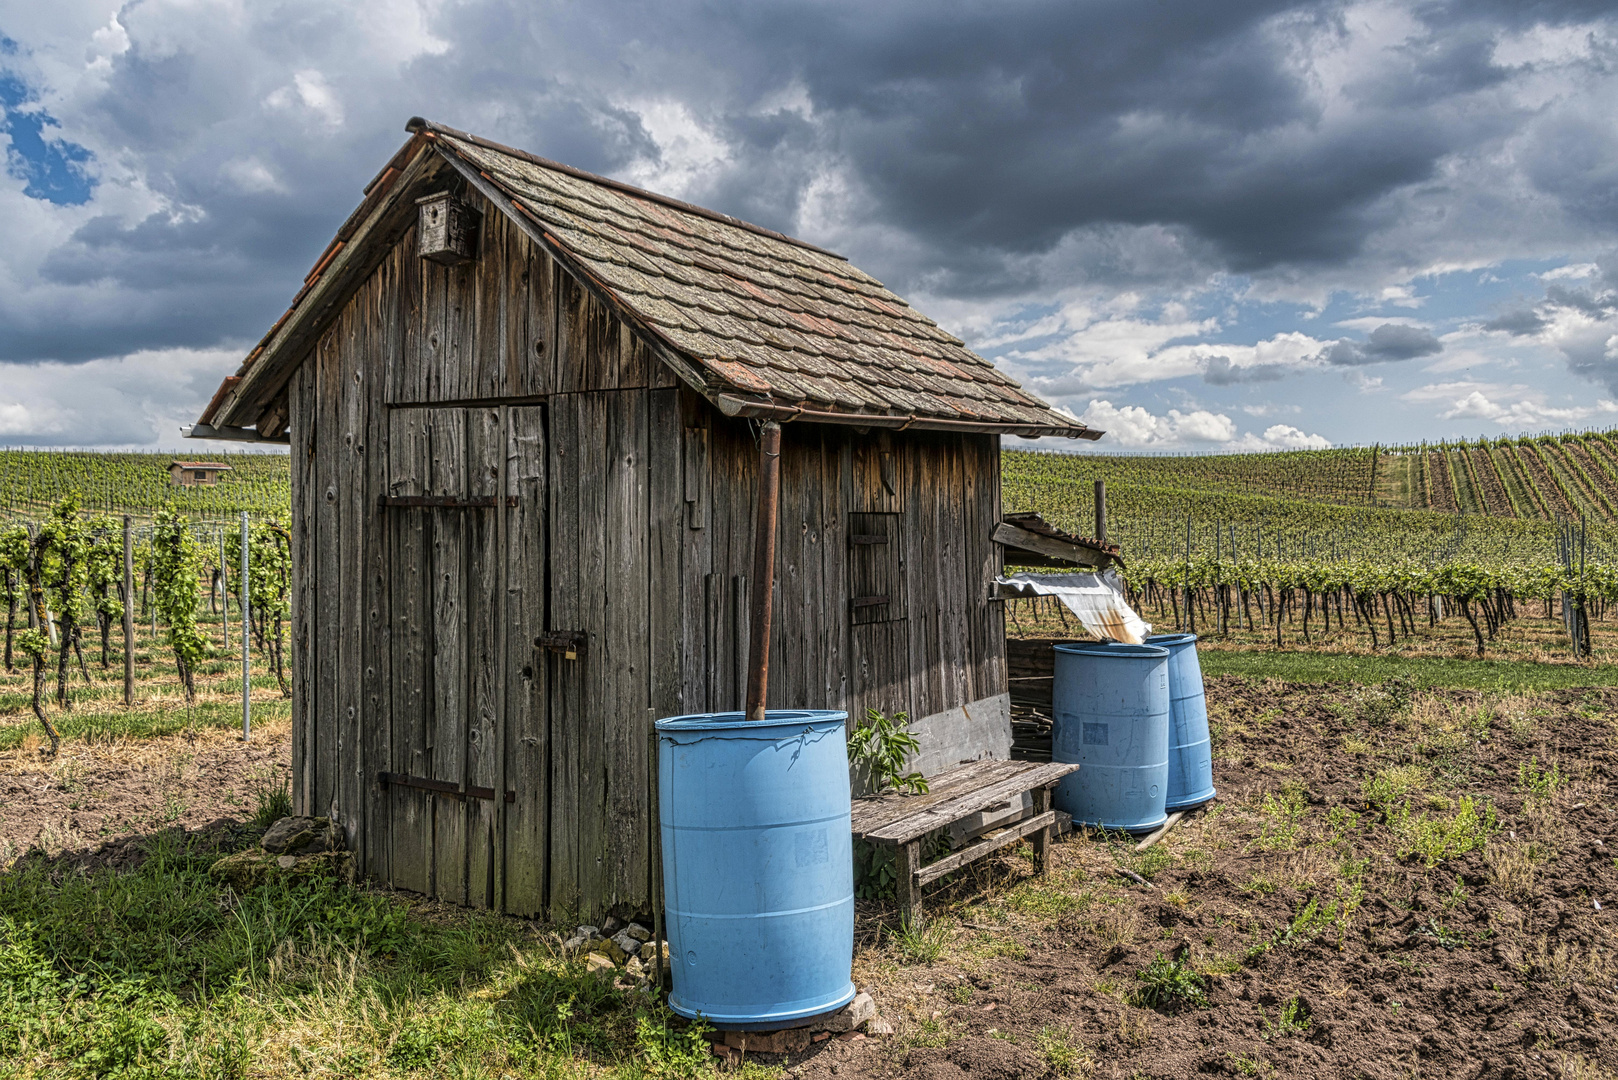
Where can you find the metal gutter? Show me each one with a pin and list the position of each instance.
(731, 405)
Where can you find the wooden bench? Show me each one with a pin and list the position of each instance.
(902, 821)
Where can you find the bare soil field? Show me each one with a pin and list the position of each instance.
(1392, 883)
(1385, 887)
(110, 794)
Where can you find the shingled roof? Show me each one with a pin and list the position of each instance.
(761, 323)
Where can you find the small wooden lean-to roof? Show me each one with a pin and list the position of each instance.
(216, 466)
(761, 324)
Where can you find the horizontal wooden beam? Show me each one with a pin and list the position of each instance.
(233, 434)
(1075, 554)
(439, 787)
(985, 845)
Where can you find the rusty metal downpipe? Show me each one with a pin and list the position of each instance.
(763, 581)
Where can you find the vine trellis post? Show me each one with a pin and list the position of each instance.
(129, 615)
(247, 686)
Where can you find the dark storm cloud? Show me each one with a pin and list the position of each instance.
(1390, 341)
(974, 150)
(1219, 371)
(1525, 323)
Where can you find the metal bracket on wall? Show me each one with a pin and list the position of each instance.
(570, 643)
(439, 787)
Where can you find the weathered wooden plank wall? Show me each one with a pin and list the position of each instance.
(632, 522)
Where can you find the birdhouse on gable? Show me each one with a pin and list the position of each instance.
(448, 229)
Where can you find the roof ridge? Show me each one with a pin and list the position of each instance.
(418, 124)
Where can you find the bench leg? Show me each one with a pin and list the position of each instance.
(1042, 839)
(907, 860)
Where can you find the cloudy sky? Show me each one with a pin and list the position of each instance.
(1198, 225)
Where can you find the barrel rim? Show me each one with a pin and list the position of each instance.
(737, 721)
(1163, 641)
(1113, 650)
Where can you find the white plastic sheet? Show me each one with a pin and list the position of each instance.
(1096, 599)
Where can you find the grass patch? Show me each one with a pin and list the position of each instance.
(1283, 813)
(1423, 671)
(1538, 782)
(1293, 1019)
(1062, 1054)
(159, 971)
(1433, 839)
(923, 941)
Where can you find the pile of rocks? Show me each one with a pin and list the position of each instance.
(293, 848)
(616, 948)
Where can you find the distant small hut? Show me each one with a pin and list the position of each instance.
(196, 473)
(534, 414)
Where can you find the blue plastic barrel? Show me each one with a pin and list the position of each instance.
(1110, 715)
(1190, 751)
(758, 865)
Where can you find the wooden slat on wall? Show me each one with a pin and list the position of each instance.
(404, 371)
(595, 729)
(531, 331)
(376, 726)
(836, 461)
(448, 612)
(492, 316)
(410, 617)
(988, 626)
(301, 406)
(696, 554)
(328, 542)
(566, 681)
(347, 640)
(625, 703)
(527, 746)
(485, 444)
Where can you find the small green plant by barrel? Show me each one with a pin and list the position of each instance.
(881, 748)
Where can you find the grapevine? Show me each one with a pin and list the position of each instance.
(176, 564)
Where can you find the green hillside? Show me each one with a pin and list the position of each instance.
(138, 484)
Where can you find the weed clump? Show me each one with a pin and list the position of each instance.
(1167, 984)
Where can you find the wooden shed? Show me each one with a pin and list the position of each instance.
(524, 406)
(196, 473)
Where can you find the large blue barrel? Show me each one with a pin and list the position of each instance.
(758, 865)
(1190, 751)
(1110, 715)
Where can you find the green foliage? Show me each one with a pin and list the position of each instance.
(103, 566)
(670, 1047)
(1433, 839)
(882, 746)
(272, 801)
(1167, 984)
(1063, 1057)
(177, 571)
(1293, 1019)
(139, 484)
(1537, 782)
(1283, 814)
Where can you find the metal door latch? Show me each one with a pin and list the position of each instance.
(567, 642)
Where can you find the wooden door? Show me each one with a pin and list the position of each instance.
(462, 546)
